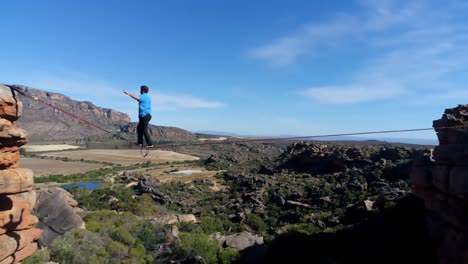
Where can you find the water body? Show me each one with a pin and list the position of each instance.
(88, 185)
(186, 172)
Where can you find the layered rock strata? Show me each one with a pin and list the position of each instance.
(17, 233)
(442, 182)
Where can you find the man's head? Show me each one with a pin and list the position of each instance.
(144, 89)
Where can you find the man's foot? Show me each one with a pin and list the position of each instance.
(150, 146)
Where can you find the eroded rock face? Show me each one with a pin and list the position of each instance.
(441, 182)
(17, 233)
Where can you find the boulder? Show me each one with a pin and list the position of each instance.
(239, 241)
(56, 215)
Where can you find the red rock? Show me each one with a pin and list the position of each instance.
(8, 260)
(10, 106)
(8, 246)
(15, 214)
(16, 180)
(9, 158)
(15, 241)
(28, 236)
(10, 135)
(29, 197)
(25, 252)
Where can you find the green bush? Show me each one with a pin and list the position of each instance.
(39, 257)
(80, 246)
(150, 234)
(304, 228)
(228, 256)
(117, 251)
(197, 244)
(255, 222)
(122, 235)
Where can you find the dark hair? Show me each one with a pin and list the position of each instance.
(144, 89)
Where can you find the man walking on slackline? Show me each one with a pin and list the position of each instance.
(144, 115)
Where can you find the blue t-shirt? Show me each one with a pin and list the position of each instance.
(144, 105)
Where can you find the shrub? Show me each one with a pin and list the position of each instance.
(150, 234)
(39, 257)
(255, 222)
(228, 256)
(197, 244)
(80, 246)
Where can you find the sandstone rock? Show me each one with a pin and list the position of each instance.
(56, 216)
(16, 180)
(8, 246)
(14, 241)
(25, 252)
(30, 197)
(10, 107)
(15, 214)
(11, 135)
(9, 158)
(440, 177)
(8, 260)
(458, 179)
(421, 177)
(452, 154)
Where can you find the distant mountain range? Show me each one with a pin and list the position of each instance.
(416, 141)
(45, 124)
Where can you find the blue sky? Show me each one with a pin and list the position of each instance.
(248, 67)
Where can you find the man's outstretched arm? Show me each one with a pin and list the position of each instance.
(134, 96)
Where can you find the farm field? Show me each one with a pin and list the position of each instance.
(43, 167)
(49, 147)
(121, 156)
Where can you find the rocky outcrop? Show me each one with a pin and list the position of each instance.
(239, 241)
(47, 124)
(17, 233)
(441, 181)
(56, 210)
(172, 133)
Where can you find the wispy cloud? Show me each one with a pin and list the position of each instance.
(412, 47)
(451, 96)
(311, 37)
(353, 94)
(170, 102)
(83, 88)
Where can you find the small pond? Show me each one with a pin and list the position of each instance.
(89, 185)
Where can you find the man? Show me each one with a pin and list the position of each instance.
(144, 115)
